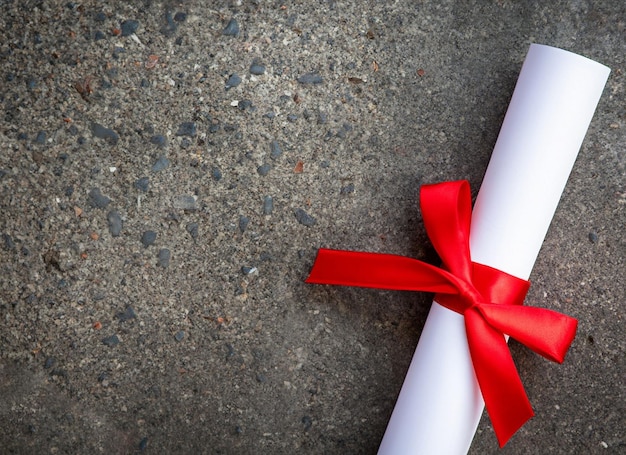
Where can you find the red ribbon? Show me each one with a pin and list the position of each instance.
(490, 300)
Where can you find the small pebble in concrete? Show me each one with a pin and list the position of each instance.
(164, 257)
(186, 129)
(348, 189)
(41, 138)
(129, 27)
(142, 184)
(185, 202)
(232, 29)
(50, 362)
(148, 238)
(127, 314)
(257, 69)
(304, 218)
(310, 78)
(243, 223)
(143, 444)
(248, 270)
(264, 169)
(244, 104)
(275, 150)
(593, 237)
(111, 341)
(179, 335)
(102, 132)
(115, 223)
(216, 173)
(233, 81)
(268, 205)
(158, 140)
(97, 199)
(192, 228)
(160, 164)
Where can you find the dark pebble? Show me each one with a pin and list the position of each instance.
(129, 27)
(260, 377)
(243, 223)
(310, 78)
(103, 132)
(111, 341)
(304, 218)
(308, 422)
(161, 163)
(180, 17)
(192, 228)
(244, 104)
(115, 223)
(593, 237)
(142, 184)
(233, 81)
(143, 444)
(268, 205)
(275, 150)
(270, 115)
(99, 35)
(127, 314)
(348, 189)
(264, 169)
(179, 335)
(164, 257)
(185, 202)
(186, 129)
(100, 17)
(3, 173)
(247, 270)
(103, 376)
(97, 199)
(50, 362)
(8, 242)
(148, 238)
(22, 136)
(216, 173)
(41, 138)
(257, 69)
(292, 117)
(158, 140)
(232, 29)
(322, 118)
(214, 128)
(170, 26)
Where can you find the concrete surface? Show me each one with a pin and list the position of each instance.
(110, 345)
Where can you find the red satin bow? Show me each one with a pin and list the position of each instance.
(490, 300)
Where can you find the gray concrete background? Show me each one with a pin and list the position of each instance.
(216, 357)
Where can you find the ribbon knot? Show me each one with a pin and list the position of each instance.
(489, 299)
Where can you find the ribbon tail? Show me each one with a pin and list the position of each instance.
(546, 332)
(382, 271)
(505, 399)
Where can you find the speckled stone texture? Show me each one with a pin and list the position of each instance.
(244, 135)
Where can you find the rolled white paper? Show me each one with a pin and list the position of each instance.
(440, 404)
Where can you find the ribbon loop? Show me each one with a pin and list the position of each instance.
(490, 300)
